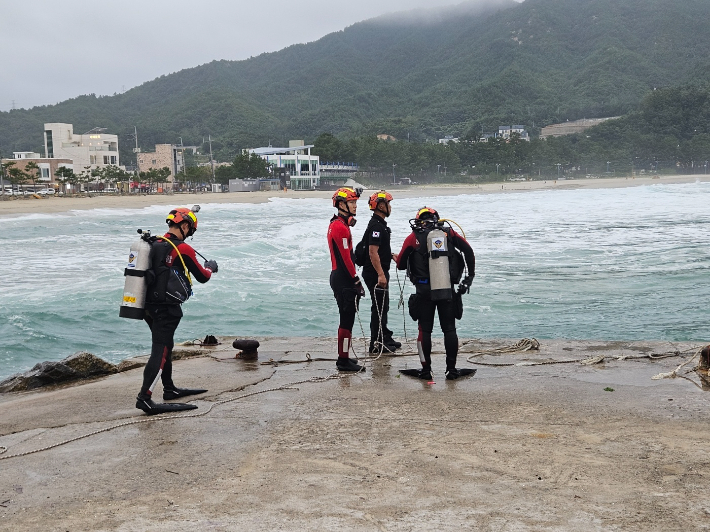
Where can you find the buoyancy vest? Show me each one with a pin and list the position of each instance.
(166, 285)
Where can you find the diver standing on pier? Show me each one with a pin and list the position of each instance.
(432, 256)
(344, 281)
(173, 262)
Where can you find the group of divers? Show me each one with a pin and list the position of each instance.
(160, 270)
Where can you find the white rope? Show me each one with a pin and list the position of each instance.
(288, 386)
(673, 374)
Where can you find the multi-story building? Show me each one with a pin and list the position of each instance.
(297, 160)
(505, 132)
(46, 167)
(90, 150)
(170, 155)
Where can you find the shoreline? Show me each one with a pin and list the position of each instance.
(286, 443)
(49, 205)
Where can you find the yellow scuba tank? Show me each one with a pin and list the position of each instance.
(134, 289)
(439, 275)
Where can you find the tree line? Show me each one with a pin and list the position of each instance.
(668, 133)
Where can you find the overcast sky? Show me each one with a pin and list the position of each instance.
(54, 50)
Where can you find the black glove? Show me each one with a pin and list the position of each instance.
(359, 289)
(465, 285)
(212, 265)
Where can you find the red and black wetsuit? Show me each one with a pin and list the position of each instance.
(163, 317)
(414, 257)
(343, 279)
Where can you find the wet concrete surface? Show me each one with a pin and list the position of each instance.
(522, 447)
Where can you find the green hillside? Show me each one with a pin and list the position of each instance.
(535, 63)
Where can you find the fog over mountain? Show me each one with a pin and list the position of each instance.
(466, 70)
(60, 50)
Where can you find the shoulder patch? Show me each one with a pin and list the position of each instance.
(375, 234)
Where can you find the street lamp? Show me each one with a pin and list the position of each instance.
(607, 166)
(438, 168)
(497, 165)
(558, 169)
(394, 179)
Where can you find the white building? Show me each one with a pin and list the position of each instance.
(297, 159)
(504, 132)
(93, 149)
(449, 138)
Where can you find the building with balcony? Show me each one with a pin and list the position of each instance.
(303, 167)
(90, 150)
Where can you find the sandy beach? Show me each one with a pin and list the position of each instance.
(277, 445)
(26, 205)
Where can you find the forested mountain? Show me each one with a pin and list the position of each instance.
(469, 68)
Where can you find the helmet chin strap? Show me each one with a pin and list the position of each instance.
(183, 232)
(350, 217)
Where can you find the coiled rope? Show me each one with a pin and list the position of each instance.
(155, 419)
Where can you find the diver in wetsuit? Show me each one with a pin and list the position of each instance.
(174, 263)
(414, 258)
(344, 281)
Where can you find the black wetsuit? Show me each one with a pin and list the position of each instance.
(378, 234)
(414, 258)
(163, 317)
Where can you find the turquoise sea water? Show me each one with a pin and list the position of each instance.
(611, 264)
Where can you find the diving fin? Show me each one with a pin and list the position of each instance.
(151, 408)
(452, 374)
(176, 393)
(424, 373)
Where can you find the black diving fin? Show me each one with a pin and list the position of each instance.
(452, 374)
(151, 408)
(423, 373)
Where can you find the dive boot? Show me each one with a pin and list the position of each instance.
(392, 343)
(453, 374)
(149, 407)
(176, 393)
(347, 364)
(385, 348)
(423, 373)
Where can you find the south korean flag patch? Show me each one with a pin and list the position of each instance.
(375, 234)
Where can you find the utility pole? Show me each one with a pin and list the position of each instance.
(211, 159)
(137, 151)
(394, 179)
(2, 177)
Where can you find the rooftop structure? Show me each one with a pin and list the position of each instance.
(90, 150)
(303, 167)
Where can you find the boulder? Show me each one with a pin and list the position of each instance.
(88, 365)
(129, 364)
(77, 366)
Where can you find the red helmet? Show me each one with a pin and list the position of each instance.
(183, 214)
(345, 194)
(427, 213)
(378, 197)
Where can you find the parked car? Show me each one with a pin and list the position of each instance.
(45, 192)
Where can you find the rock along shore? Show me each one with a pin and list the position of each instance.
(525, 446)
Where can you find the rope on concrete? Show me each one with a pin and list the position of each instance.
(673, 374)
(288, 386)
(531, 344)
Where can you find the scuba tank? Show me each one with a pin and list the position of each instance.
(134, 289)
(439, 274)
